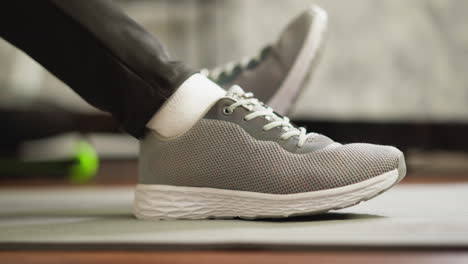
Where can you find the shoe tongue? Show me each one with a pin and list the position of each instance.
(235, 92)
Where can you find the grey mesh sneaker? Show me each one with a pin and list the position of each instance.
(276, 76)
(242, 160)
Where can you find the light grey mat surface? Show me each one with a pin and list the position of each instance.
(406, 216)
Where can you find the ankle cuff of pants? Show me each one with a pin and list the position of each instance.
(137, 126)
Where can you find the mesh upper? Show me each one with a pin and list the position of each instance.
(220, 154)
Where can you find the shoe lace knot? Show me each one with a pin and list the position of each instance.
(259, 109)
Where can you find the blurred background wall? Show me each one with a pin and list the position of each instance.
(386, 60)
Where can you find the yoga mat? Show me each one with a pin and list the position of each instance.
(408, 216)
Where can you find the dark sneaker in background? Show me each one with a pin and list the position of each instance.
(276, 76)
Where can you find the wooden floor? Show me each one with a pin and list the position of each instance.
(124, 173)
(329, 257)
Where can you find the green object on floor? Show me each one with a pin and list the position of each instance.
(78, 164)
(86, 165)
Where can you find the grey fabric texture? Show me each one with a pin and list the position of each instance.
(254, 128)
(264, 79)
(221, 154)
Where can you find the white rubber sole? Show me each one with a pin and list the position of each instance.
(310, 50)
(159, 202)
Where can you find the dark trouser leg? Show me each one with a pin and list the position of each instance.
(102, 54)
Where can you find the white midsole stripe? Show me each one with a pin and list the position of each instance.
(389, 178)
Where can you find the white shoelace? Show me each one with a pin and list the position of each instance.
(259, 109)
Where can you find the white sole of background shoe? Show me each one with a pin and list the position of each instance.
(164, 202)
(309, 53)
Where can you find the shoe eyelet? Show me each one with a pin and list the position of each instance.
(226, 111)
